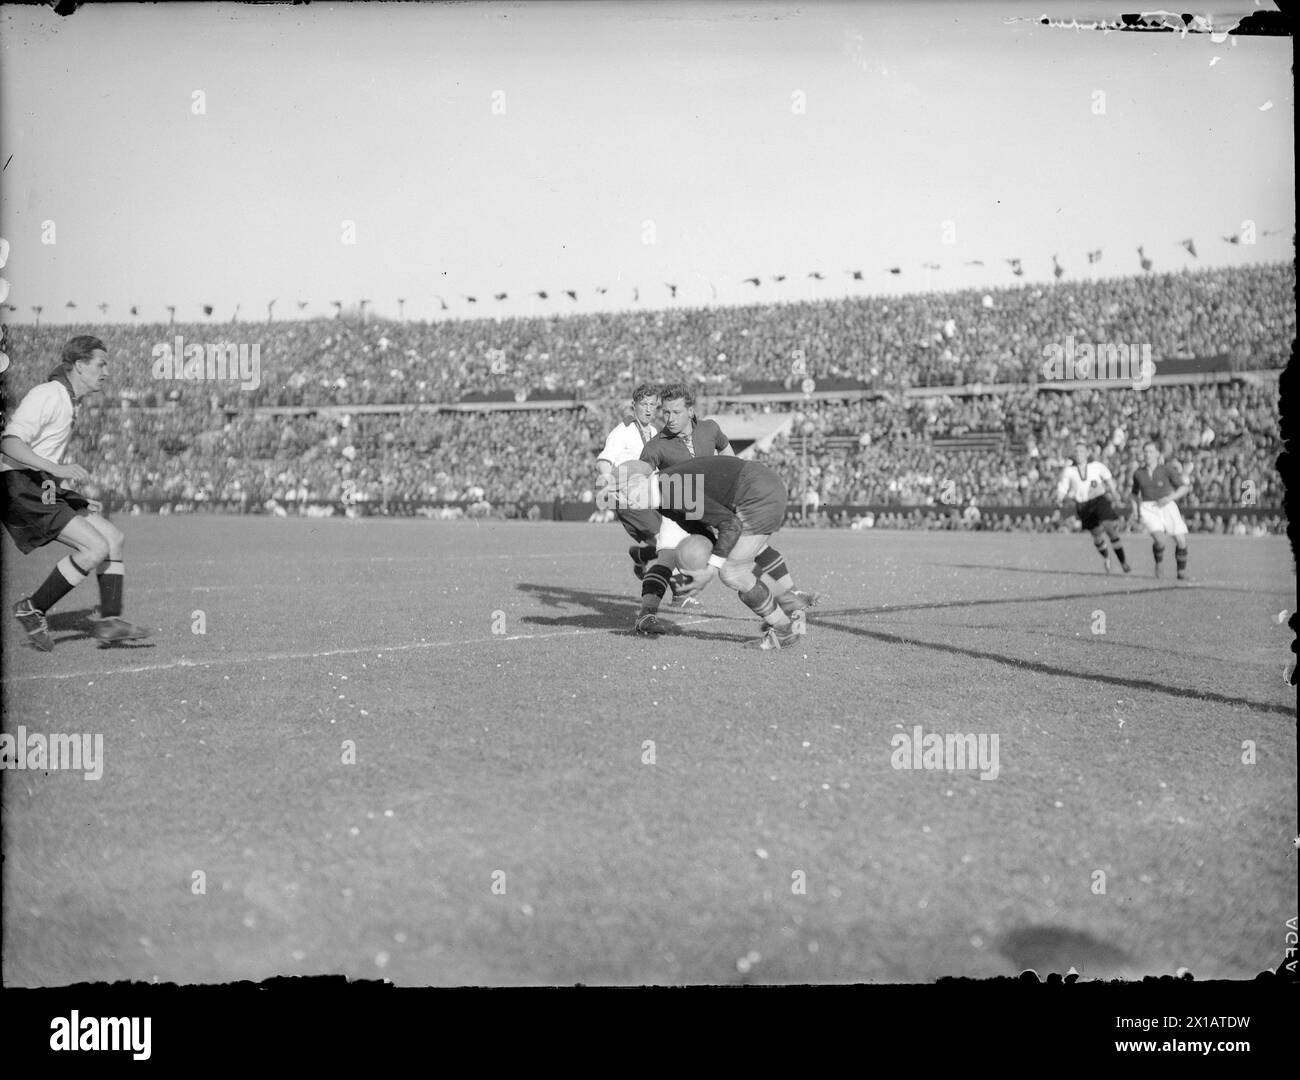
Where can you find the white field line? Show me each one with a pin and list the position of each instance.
(280, 657)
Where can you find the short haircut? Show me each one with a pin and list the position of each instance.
(81, 347)
(676, 390)
(645, 390)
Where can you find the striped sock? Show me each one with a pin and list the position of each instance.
(653, 587)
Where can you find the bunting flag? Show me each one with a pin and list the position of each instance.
(757, 281)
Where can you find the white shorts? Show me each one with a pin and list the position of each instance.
(1162, 519)
(670, 534)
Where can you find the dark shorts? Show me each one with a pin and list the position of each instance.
(32, 521)
(760, 502)
(641, 525)
(1095, 511)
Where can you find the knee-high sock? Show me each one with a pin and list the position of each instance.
(111, 580)
(1180, 557)
(762, 603)
(1158, 550)
(65, 577)
(770, 564)
(653, 587)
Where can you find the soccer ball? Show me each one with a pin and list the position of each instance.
(693, 553)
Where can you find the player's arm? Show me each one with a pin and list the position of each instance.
(1183, 486)
(722, 444)
(1063, 486)
(33, 412)
(605, 463)
(729, 528)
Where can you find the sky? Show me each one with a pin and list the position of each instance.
(194, 154)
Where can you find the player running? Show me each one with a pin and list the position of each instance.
(1157, 486)
(1091, 486)
(36, 510)
(745, 503)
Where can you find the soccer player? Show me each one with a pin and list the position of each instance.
(1091, 486)
(683, 436)
(625, 443)
(36, 510)
(745, 503)
(1157, 486)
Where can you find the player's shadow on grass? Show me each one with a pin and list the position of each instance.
(614, 612)
(75, 626)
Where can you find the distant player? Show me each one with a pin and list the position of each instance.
(744, 502)
(1091, 486)
(625, 443)
(36, 510)
(1157, 486)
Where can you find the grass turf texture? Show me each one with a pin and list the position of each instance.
(521, 751)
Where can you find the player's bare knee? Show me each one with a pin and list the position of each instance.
(113, 537)
(740, 578)
(91, 551)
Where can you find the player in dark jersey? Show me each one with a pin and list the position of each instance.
(744, 503)
(683, 436)
(36, 509)
(1156, 487)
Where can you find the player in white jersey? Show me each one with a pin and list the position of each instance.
(36, 509)
(1090, 485)
(624, 443)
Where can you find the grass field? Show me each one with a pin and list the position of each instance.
(502, 822)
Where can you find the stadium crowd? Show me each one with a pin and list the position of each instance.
(191, 443)
(1246, 315)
